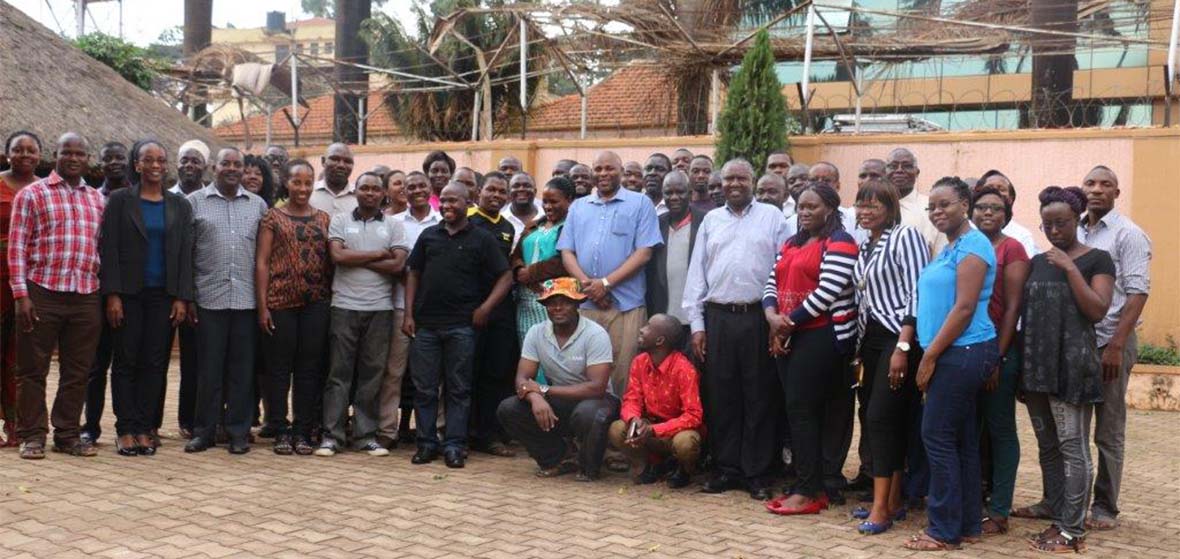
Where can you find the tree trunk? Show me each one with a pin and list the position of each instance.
(353, 82)
(198, 30)
(1053, 65)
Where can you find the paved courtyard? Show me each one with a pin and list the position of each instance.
(351, 505)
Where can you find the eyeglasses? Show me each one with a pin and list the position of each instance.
(866, 207)
(992, 208)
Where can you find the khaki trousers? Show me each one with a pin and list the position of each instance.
(684, 446)
(623, 328)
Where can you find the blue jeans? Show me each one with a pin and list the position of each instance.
(951, 434)
(442, 355)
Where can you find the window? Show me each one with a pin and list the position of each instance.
(281, 52)
(315, 49)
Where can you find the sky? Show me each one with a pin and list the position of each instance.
(144, 20)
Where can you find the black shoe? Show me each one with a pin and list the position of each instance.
(268, 432)
(861, 482)
(761, 493)
(425, 455)
(198, 444)
(453, 457)
(389, 443)
(835, 496)
(678, 479)
(721, 484)
(239, 447)
(649, 475)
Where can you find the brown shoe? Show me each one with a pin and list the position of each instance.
(80, 448)
(32, 450)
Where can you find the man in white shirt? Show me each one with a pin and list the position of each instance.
(997, 180)
(903, 171)
(335, 194)
(523, 207)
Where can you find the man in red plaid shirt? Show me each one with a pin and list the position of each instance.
(53, 259)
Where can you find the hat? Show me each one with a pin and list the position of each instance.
(564, 287)
(194, 144)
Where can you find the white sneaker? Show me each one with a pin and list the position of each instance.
(375, 449)
(327, 448)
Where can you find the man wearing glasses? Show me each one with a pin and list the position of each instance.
(902, 171)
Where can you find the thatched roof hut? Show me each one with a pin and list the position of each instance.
(50, 87)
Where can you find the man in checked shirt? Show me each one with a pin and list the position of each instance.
(53, 259)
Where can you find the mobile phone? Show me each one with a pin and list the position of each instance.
(632, 429)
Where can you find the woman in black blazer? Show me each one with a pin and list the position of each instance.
(147, 278)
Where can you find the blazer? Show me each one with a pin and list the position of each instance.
(657, 267)
(124, 245)
(540, 271)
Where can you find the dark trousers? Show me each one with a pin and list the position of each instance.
(886, 419)
(916, 482)
(226, 342)
(69, 322)
(497, 351)
(442, 356)
(586, 421)
(295, 360)
(815, 381)
(96, 378)
(837, 440)
(743, 392)
(141, 361)
(358, 346)
(186, 409)
(951, 433)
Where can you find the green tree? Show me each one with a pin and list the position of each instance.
(754, 120)
(135, 64)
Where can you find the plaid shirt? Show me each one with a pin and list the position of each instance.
(53, 240)
(225, 232)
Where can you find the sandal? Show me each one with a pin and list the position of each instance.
(32, 451)
(303, 447)
(147, 445)
(125, 445)
(557, 471)
(994, 526)
(1061, 543)
(1036, 511)
(1049, 532)
(283, 446)
(1101, 523)
(80, 448)
(925, 542)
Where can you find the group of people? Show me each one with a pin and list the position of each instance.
(662, 318)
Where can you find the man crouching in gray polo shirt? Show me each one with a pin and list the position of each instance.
(369, 252)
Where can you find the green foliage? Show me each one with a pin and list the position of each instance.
(754, 121)
(135, 64)
(1151, 354)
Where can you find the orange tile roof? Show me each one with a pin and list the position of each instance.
(317, 122)
(637, 96)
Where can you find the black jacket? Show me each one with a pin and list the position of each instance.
(124, 245)
(657, 267)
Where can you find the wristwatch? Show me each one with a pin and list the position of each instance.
(904, 347)
(605, 283)
(544, 389)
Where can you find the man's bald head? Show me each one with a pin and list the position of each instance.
(608, 157)
(667, 327)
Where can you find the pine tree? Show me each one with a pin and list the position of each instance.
(754, 121)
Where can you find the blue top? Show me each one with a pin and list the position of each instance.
(936, 291)
(603, 233)
(153, 222)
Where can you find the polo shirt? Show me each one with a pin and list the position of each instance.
(566, 365)
(604, 233)
(357, 288)
(323, 199)
(497, 225)
(457, 273)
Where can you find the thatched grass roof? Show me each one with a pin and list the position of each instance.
(50, 87)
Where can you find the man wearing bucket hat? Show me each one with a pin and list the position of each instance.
(576, 355)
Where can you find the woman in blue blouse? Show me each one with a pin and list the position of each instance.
(960, 347)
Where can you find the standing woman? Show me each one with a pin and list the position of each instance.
(887, 269)
(1068, 291)
(23, 150)
(811, 309)
(536, 258)
(293, 287)
(959, 341)
(147, 279)
(438, 168)
(258, 178)
(991, 213)
(395, 193)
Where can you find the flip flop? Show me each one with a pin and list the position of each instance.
(925, 542)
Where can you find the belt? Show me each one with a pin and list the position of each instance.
(735, 308)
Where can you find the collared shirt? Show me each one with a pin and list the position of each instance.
(456, 273)
(497, 225)
(1130, 248)
(913, 213)
(734, 254)
(661, 208)
(176, 189)
(53, 237)
(678, 254)
(670, 395)
(789, 207)
(847, 218)
(886, 277)
(604, 233)
(323, 199)
(412, 228)
(518, 225)
(357, 288)
(1023, 236)
(566, 365)
(225, 236)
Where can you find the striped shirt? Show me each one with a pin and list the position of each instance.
(225, 232)
(53, 237)
(832, 296)
(887, 277)
(1130, 248)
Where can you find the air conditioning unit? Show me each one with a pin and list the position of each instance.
(880, 124)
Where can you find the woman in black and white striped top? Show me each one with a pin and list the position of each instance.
(886, 278)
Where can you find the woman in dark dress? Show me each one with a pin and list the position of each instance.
(1068, 290)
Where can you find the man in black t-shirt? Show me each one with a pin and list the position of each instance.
(458, 275)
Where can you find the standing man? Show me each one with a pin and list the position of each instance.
(654, 171)
(607, 240)
(667, 271)
(369, 251)
(633, 176)
(827, 173)
(335, 194)
(583, 180)
(779, 162)
(772, 189)
(191, 161)
(562, 168)
(699, 171)
(458, 274)
(716, 194)
(225, 226)
(510, 165)
(870, 170)
(53, 264)
(681, 159)
(277, 156)
(1104, 227)
(414, 220)
(903, 170)
(191, 164)
(525, 208)
(735, 252)
(113, 159)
